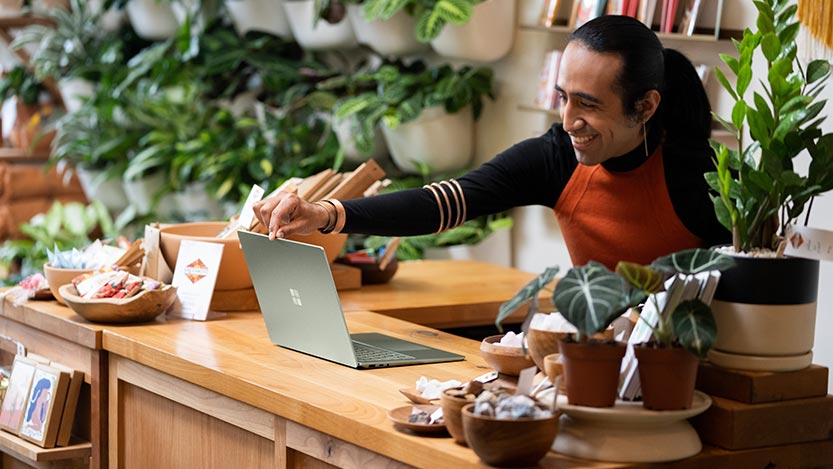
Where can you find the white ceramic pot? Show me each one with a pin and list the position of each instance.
(394, 36)
(496, 249)
(73, 91)
(152, 19)
(141, 192)
(259, 15)
(109, 191)
(487, 37)
(110, 20)
(441, 140)
(765, 309)
(344, 132)
(195, 204)
(317, 35)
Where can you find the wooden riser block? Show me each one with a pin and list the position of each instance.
(734, 425)
(755, 387)
(345, 277)
(816, 455)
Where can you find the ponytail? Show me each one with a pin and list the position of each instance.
(684, 109)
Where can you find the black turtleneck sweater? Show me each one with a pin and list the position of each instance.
(535, 172)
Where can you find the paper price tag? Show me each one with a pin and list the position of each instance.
(246, 213)
(810, 243)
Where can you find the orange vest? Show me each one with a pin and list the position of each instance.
(621, 216)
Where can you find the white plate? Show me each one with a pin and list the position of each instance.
(760, 363)
(633, 413)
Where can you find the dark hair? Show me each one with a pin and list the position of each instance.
(684, 111)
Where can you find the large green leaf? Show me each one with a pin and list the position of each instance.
(692, 261)
(525, 294)
(590, 297)
(694, 326)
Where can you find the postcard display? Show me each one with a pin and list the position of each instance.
(41, 401)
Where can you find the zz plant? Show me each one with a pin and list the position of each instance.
(759, 192)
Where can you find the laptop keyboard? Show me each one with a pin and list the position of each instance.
(368, 353)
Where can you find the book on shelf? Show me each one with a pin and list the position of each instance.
(549, 13)
(689, 19)
(647, 8)
(617, 7)
(44, 406)
(70, 404)
(586, 10)
(546, 98)
(633, 8)
(668, 15)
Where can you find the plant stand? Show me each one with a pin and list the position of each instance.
(627, 432)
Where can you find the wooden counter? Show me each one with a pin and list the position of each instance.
(56, 332)
(441, 293)
(218, 394)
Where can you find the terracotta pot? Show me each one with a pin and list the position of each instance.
(591, 370)
(667, 377)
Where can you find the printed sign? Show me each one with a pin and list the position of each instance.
(810, 243)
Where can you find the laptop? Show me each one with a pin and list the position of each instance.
(302, 311)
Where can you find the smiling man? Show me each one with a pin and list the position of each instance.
(623, 172)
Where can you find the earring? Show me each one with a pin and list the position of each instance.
(645, 139)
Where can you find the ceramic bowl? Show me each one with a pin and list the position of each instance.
(505, 360)
(139, 308)
(233, 273)
(57, 277)
(509, 443)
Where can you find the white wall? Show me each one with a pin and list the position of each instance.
(537, 242)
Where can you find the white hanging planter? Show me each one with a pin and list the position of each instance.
(10, 8)
(259, 15)
(436, 138)
(344, 133)
(152, 19)
(110, 20)
(97, 186)
(73, 90)
(496, 249)
(195, 204)
(394, 36)
(321, 35)
(487, 37)
(142, 191)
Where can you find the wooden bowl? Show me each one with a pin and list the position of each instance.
(233, 273)
(452, 407)
(139, 308)
(507, 443)
(57, 277)
(542, 343)
(554, 368)
(506, 360)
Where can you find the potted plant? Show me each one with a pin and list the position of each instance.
(426, 113)
(320, 25)
(768, 305)
(386, 26)
(69, 51)
(32, 107)
(484, 37)
(681, 332)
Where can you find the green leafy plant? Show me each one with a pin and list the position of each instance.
(402, 92)
(63, 227)
(758, 190)
(591, 296)
(431, 15)
(21, 83)
(71, 47)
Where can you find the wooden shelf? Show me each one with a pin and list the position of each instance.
(18, 155)
(705, 36)
(23, 21)
(15, 445)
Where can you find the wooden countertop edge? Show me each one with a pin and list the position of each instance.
(60, 322)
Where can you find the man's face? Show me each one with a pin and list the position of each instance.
(591, 109)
